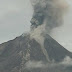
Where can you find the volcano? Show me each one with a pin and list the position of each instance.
(14, 54)
(37, 51)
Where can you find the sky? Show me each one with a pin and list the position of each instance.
(15, 16)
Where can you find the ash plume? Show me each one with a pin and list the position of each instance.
(47, 15)
(50, 11)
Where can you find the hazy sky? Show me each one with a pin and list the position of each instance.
(15, 18)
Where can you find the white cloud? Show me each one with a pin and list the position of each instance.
(67, 61)
(34, 64)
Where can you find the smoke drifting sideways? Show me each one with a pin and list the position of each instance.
(50, 11)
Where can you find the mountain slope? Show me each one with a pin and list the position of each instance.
(16, 53)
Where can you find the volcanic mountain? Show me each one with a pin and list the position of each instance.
(37, 51)
(15, 55)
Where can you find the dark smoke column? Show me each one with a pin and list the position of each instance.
(47, 15)
(37, 19)
(38, 15)
(51, 10)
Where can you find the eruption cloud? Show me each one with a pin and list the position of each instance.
(47, 15)
(50, 11)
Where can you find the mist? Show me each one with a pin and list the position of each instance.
(51, 67)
